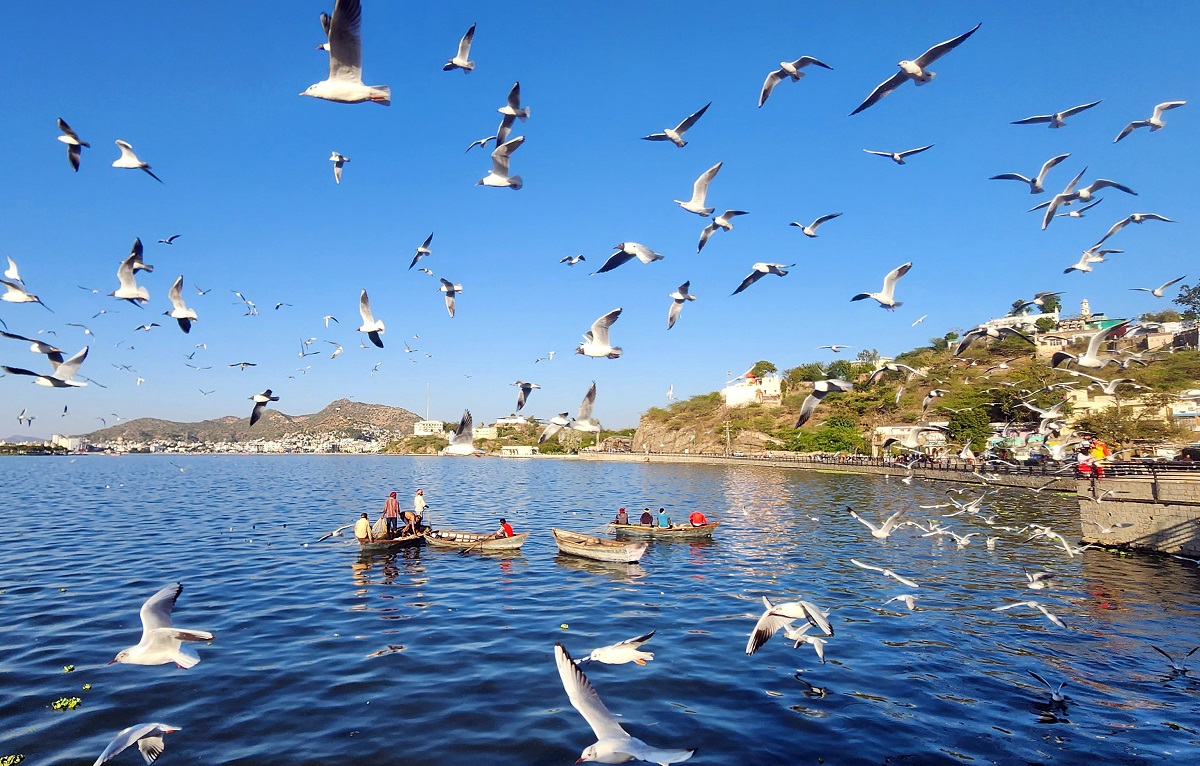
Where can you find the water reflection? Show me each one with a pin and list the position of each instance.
(620, 572)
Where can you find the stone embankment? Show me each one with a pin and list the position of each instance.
(1150, 507)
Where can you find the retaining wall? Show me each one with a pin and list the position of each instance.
(1162, 512)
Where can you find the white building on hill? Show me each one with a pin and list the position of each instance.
(747, 390)
(428, 428)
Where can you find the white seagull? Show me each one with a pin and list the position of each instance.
(675, 134)
(1056, 695)
(1157, 292)
(260, 404)
(622, 652)
(338, 161)
(699, 190)
(627, 251)
(1091, 357)
(71, 139)
(908, 599)
(916, 70)
(800, 636)
(462, 59)
(422, 251)
(63, 375)
(723, 221)
(1056, 120)
(499, 174)
(596, 342)
(760, 270)
(678, 298)
(836, 348)
(524, 388)
(885, 573)
(12, 272)
(1033, 605)
(821, 389)
(1038, 580)
(811, 229)
(571, 260)
(14, 293)
(372, 327)
(1138, 218)
(513, 107)
(149, 739)
(1036, 183)
(451, 290)
(344, 83)
(613, 745)
(898, 157)
(554, 425)
(462, 438)
(778, 615)
(885, 295)
(885, 530)
(179, 310)
(130, 160)
(38, 347)
(126, 273)
(161, 640)
(1154, 123)
(1078, 213)
(585, 422)
(787, 69)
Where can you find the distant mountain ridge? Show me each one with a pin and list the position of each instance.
(340, 418)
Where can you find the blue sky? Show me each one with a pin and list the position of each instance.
(210, 101)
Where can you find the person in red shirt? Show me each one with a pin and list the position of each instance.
(505, 530)
(391, 512)
(697, 519)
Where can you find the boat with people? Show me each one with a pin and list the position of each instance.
(382, 543)
(486, 542)
(597, 548)
(674, 532)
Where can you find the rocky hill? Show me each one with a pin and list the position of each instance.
(341, 418)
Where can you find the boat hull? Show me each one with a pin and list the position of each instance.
(449, 538)
(687, 532)
(597, 548)
(377, 545)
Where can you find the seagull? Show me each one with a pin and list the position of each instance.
(524, 389)
(63, 375)
(202, 292)
(1035, 183)
(462, 437)
(338, 161)
(1088, 257)
(38, 347)
(483, 142)
(585, 422)
(893, 367)
(596, 342)
(627, 251)
(885, 530)
(260, 404)
(422, 251)
(811, 230)
(884, 296)
(335, 533)
(243, 365)
(130, 160)
(678, 298)
(778, 615)
(161, 640)
(370, 326)
(147, 327)
(836, 348)
(885, 573)
(554, 425)
(699, 190)
(451, 290)
(622, 652)
(499, 174)
(1056, 120)
(1106, 530)
(513, 107)
(671, 392)
(723, 221)
(329, 317)
(1078, 213)
(1071, 195)
(799, 635)
(571, 260)
(898, 157)
(613, 745)
(12, 273)
(821, 389)
(1135, 218)
(126, 273)
(1154, 123)
(337, 349)
(675, 135)
(1033, 605)
(71, 139)
(344, 83)
(915, 70)
(169, 240)
(1157, 292)
(1090, 358)
(908, 600)
(787, 69)
(179, 311)
(986, 331)
(1176, 665)
(15, 293)
(149, 739)
(1038, 580)
(760, 270)
(461, 59)
(1056, 695)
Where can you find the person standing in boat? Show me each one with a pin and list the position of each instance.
(505, 529)
(622, 517)
(362, 530)
(647, 519)
(391, 512)
(664, 521)
(698, 519)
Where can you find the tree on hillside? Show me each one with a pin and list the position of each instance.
(970, 426)
(1166, 315)
(1189, 298)
(1050, 304)
(761, 368)
(1045, 324)
(805, 373)
(869, 356)
(1123, 425)
(1018, 307)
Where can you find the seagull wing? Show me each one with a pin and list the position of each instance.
(810, 403)
(1158, 110)
(700, 188)
(881, 90)
(941, 49)
(364, 309)
(67, 369)
(1078, 109)
(673, 313)
(464, 45)
(600, 326)
(127, 737)
(1050, 163)
(754, 277)
(619, 258)
(823, 219)
(584, 698)
(863, 521)
(639, 640)
(644, 254)
(889, 282)
(918, 150)
(156, 612)
(175, 295)
(1100, 337)
(589, 400)
(769, 85)
(1037, 118)
(345, 41)
(1104, 183)
(687, 124)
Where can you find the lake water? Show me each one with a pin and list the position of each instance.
(325, 656)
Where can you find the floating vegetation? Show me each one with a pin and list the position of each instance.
(87, 687)
(11, 760)
(68, 668)
(66, 703)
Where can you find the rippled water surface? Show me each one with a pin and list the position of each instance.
(323, 655)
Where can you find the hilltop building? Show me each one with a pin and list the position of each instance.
(748, 389)
(428, 428)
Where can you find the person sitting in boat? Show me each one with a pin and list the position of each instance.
(647, 519)
(505, 529)
(391, 512)
(622, 517)
(664, 520)
(697, 518)
(362, 529)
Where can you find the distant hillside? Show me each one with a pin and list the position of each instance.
(341, 418)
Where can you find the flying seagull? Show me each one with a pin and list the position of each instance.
(898, 157)
(462, 59)
(778, 615)
(1157, 292)
(675, 135)
(613, 743)
(129, 290)
(523, 390)
(260, 404)
(14, 293)
(821, 389)
(596, 342)
(836, 348)
(627, 251)
(161, 640)
(513, 106)
(883, 531)
(54, 354)
(179, 310)
(678, 298)
(338, 161)
(344, 83)
(585, 422)
(915, 70)
(787, 69)
(462, 438)
(811, 230)
(885, 572)
(71, 139)
(699, 190)
(169, 240)
(1056, 120)
(885, 295)
(1138, 218)
(62, 376)
(15, 275)
(985, 331)
(760, 270)
(622, 652)
(370, 325)
(499, 174)
(554, 425)
(130, 160)
(422, 251)
(571, 260)
(723, 221)
(1091, 358)
(1154, 123)
(451, 290)
(1035, 183)
(147, 736)
(1079, 213)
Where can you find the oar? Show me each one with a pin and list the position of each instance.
(464, 551)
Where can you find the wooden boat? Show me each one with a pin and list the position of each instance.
(597, 548)
(676, 532)
(380, 544)
(449, 538)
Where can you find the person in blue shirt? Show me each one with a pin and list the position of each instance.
(664, 520)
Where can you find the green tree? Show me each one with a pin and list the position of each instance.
(1045, 324)
(1189, 298)
(761, 368)
(868, 356)
(970, 426)
(1050, 304)
(1124, 424)
(1167, 315)
(808, 372)
(1018, 307)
